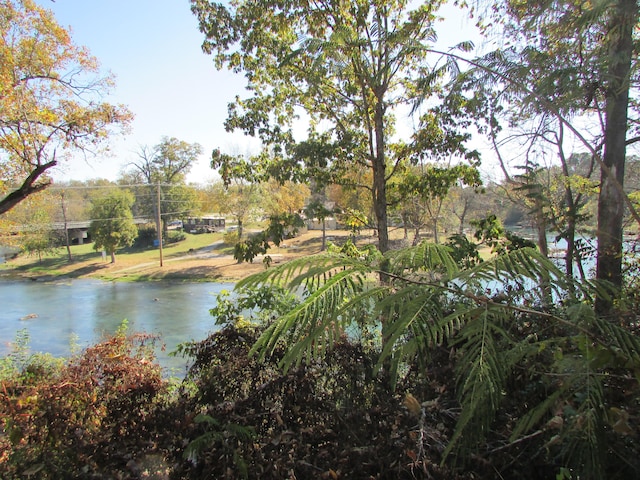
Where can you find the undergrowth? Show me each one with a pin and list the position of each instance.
(108, 413)
(443, 381)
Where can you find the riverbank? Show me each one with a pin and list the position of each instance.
(199, 258)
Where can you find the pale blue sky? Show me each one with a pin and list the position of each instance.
(153, 49)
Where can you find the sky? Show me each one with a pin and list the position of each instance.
(153, 48)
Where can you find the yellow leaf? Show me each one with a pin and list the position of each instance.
(412, 404)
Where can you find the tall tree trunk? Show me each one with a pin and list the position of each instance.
(463, 216)
(571, 246)
(572, 213)
(380, 180)
(610, 201)
(541, 227)
(436, 239)
(240, 228)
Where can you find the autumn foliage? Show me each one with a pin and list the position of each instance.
(50, 100)
(109, 414)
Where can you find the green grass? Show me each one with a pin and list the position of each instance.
(53, 262)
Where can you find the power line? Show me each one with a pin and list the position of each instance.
(27, 227)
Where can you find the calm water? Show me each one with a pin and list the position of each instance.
(53, 313)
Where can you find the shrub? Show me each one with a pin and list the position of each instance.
(174, 236)
(80, 417)
(231, 237)
(328, 418)
(147, 234)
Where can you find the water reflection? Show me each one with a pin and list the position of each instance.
(53, 313)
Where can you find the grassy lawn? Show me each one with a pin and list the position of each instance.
(57, 262)
(188, 260)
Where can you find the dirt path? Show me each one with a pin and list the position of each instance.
(206, 264)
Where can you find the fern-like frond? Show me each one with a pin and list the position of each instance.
(488, 356)
(425, 257)
(480, 376)
(525, 268)
(195, 448)
(412, 318)
(422, 318)
(623, 343)
(466, 46)
(242, 433)
(584, 439)
(534, 416)
(304, 271)
(317, 322)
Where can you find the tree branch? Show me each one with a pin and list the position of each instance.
(27, 188)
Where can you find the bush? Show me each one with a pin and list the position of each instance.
(174, 236)
(147, 235)
(80, 417)
(231, 237)
(331, 418)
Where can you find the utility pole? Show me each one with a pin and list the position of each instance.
(159, 222)
(66, 230)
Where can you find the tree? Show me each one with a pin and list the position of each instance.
(318, 209)
(206, 201)
(348, 196)
(554, 195)
(347, 65)
(558, 196)
(112, 226)
(78, 196)
(32, 218)
(63, 209)
(241, 200)
(39, 239)
(240, 188)
(287, 198)
(572, 59)
(164, 167)
(168, 162)
(466, 202)
(49, 100)
(616, 80)
(425, 188)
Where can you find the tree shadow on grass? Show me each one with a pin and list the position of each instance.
(230, 272)
(57, 259)
(53, 267)
(85, 270)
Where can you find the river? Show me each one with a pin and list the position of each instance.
(58, 314)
